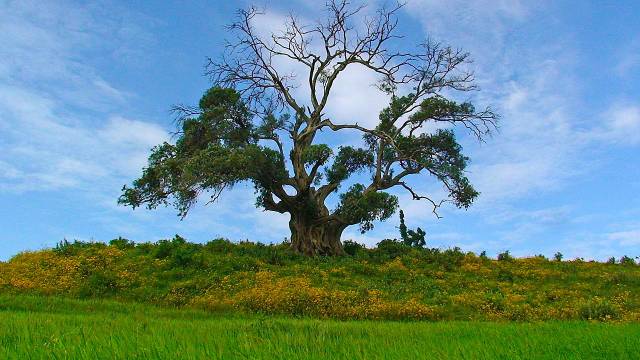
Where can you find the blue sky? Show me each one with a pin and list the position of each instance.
(85, 92)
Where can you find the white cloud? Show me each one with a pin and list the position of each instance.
(48, 147)
(621, 126)
(8, 171)
(539, 140)
(47, 47)
(625, 238)
(49, 141)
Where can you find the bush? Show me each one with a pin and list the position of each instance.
(102, 283)
(122, 243)
(219, 245)
(598, 309)
(186, 255)
(625, 260)
(67, 248)
(558, 256)
(296, 296)
(392, 249)
(505, 275)
(411, 237)
(351, 247)
(449, 259)
(180, 252)
(505, 256)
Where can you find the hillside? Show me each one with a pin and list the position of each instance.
(393, 281)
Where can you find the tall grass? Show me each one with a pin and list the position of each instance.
(52, 328)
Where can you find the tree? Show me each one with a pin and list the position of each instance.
(252, 126)
(411, 237)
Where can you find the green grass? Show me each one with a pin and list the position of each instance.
(33, 327)
(390, 282)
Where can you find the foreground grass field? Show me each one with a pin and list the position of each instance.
(33, 327)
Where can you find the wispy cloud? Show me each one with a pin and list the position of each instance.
(628, 58)
(621, 125)
(626, 238)
(50, 138)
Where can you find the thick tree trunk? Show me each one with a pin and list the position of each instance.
(313, 240)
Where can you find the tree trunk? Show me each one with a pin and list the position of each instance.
(317, 239)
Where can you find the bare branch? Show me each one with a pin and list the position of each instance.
(436, 205)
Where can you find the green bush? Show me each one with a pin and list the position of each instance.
(505, 256)
(625, 260)
(99, 284)
(219, 245)
(391, 249)
(122, 243)
(598, 309)
(67, 248)
(351, 247)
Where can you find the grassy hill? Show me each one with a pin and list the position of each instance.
(392, 282)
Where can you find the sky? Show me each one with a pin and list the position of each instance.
(85, 92)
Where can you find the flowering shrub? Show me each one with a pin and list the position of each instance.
(296, 296)
(598, 309)
(43, 272)
(396, 282)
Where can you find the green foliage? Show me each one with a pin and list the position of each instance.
(351, 247)
(358, 206)
(410, 237)
(348, 161)
(441, 154)
(122, 243)
(99, 284)
(224, 119)
(178, 251)
(598, 309)
(391, 249)
(68, 248)
(215, 150)
(219, 246)
(558, 256)
(438, 153)
(505, 256)
(316, 154)
(439, 108)
(626, 260)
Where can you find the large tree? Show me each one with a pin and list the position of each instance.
(253, 125)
